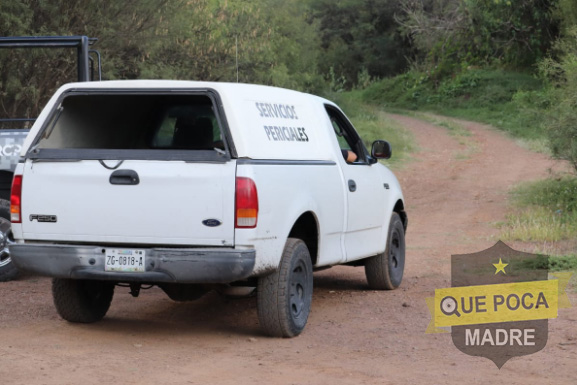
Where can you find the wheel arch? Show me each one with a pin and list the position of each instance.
(400, 209)
(306, 228)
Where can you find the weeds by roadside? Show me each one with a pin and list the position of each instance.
(545, 212)
(553, 263)
(545, 215)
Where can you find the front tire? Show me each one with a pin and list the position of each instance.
(7, 269)
(284, 297)
(385, 271)
(83, 301)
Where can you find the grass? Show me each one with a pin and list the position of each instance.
(545, 212)
(511, 101)
(552, 264)
(455, 128)
(556, 194)
(538, 224)
(540, 145)
(372, 123)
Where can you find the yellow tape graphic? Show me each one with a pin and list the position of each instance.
(431, 329)
(521, 301)
(564, 302)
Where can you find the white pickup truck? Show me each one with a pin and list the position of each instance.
(196, 186)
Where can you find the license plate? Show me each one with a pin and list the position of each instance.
(125, 260)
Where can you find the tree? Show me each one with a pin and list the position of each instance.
(452, 33)
(566, 12)
(360, 34)
(160, 39)
(29, 77)
(561, 120)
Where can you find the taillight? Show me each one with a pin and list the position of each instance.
(16, 200)
(246, 213)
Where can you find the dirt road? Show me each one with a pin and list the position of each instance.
(456, 189)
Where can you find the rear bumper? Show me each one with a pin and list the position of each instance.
(210, 265)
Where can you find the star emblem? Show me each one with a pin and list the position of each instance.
(500, 266)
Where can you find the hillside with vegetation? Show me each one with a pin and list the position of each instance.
(301, 44)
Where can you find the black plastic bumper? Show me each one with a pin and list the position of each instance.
(209, 265)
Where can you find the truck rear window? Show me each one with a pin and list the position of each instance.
(133, 122)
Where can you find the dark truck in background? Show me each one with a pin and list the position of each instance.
(13, 131)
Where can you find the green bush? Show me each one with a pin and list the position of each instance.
(509, 100)
(472, 87)
(405, 91)
(561, 121)
(557, 195)
(553, 263)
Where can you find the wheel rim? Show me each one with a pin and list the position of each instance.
(298, 289)
(396, 257)
(5, 241)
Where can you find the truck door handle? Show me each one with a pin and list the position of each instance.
(352, 185)
(124, 177)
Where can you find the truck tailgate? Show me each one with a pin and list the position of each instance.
(184, 204)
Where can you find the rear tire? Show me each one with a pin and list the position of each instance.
(7, 269)
(82, 301)
(385, 271)
(284, 297)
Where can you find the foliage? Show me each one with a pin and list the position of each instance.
(566, 12)
(537, 224)
(177, 39)
(450, 34)
(509, 100)
(556, 195)
(360, 34)
(515, 32)
(310, 45)
(438, 29)
(295, 41)
(561, 120)
(546, 211)
(552, 263)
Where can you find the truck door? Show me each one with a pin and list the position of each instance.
(364, 189)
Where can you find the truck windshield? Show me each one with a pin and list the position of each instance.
(133, 122)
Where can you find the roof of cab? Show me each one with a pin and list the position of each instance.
(181, 85)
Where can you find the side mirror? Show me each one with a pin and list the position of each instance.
(381, 149)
